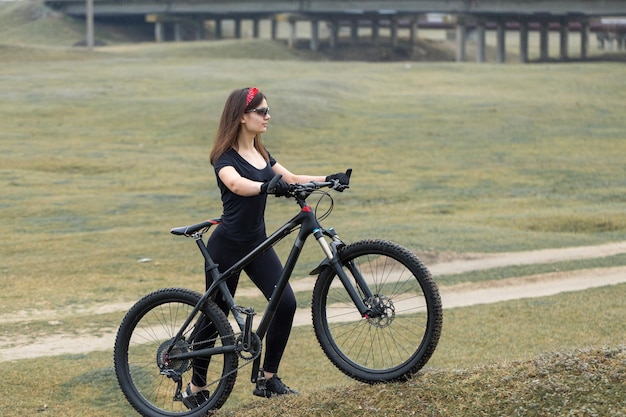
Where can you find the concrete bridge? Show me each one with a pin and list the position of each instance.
(478, 16)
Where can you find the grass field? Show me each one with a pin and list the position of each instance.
(102, 152)
(102, 155)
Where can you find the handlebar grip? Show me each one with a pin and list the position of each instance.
(271, 187)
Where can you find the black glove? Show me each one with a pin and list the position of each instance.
(342, 180)
(281, 188)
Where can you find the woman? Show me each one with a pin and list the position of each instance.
(243, 168)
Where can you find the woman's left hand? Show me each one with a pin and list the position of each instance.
(342, 179)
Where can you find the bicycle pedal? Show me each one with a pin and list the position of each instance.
(248, 311)
(260, 380)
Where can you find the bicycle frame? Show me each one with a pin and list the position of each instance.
(309, 225)
(376, 313)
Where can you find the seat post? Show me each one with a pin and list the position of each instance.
(210, 267)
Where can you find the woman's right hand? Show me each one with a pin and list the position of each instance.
(280, 189)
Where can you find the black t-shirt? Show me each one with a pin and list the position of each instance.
(243, 217)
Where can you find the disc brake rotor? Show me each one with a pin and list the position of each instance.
(383, 309)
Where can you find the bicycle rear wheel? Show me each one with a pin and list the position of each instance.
(398, 342)
(151, 381)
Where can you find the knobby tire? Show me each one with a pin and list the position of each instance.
(395, 345)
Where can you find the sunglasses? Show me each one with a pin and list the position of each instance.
(261, 111)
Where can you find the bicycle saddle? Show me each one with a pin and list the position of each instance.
(190, 230)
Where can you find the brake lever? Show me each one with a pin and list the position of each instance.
(338, 186)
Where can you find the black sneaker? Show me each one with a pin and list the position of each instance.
(271, 387)
(192, 400)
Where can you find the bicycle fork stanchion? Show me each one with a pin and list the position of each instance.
(335, 263)
(319, 236)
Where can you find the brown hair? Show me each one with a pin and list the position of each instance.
(230, 124)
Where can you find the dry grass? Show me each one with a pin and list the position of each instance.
(103, 152)
(582, 382)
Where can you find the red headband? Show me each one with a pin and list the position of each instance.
(252, 92)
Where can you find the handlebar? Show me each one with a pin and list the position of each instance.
(310, 186)
(304, 190)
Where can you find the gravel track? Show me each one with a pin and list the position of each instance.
(461, 295)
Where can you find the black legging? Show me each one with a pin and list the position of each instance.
(264, 273)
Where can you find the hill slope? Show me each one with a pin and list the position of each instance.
(585, 382)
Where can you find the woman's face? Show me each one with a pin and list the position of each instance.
(256, 121)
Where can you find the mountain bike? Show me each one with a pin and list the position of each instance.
(376, 313)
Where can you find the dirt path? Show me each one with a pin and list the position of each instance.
(461, 295)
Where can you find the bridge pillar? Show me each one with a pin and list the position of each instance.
(274, 28)
(218, 28)
(237, 28)
(159, 32)
(293, 33)
(413, 31)
(199, 29)
(255, 28)
(334, 33)
(354, 30)
(564, 39)
(315, 35)
(394, 31)
(544, 32)
(461, 34)
(523, 42)
(375, 30)
(89, 18)
(501, 41)
(481, 56)
(584, 39)
(178, 36)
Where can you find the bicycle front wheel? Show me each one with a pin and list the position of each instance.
(400, 338)
(150, 380)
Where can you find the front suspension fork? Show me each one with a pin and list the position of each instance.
(334, 262)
